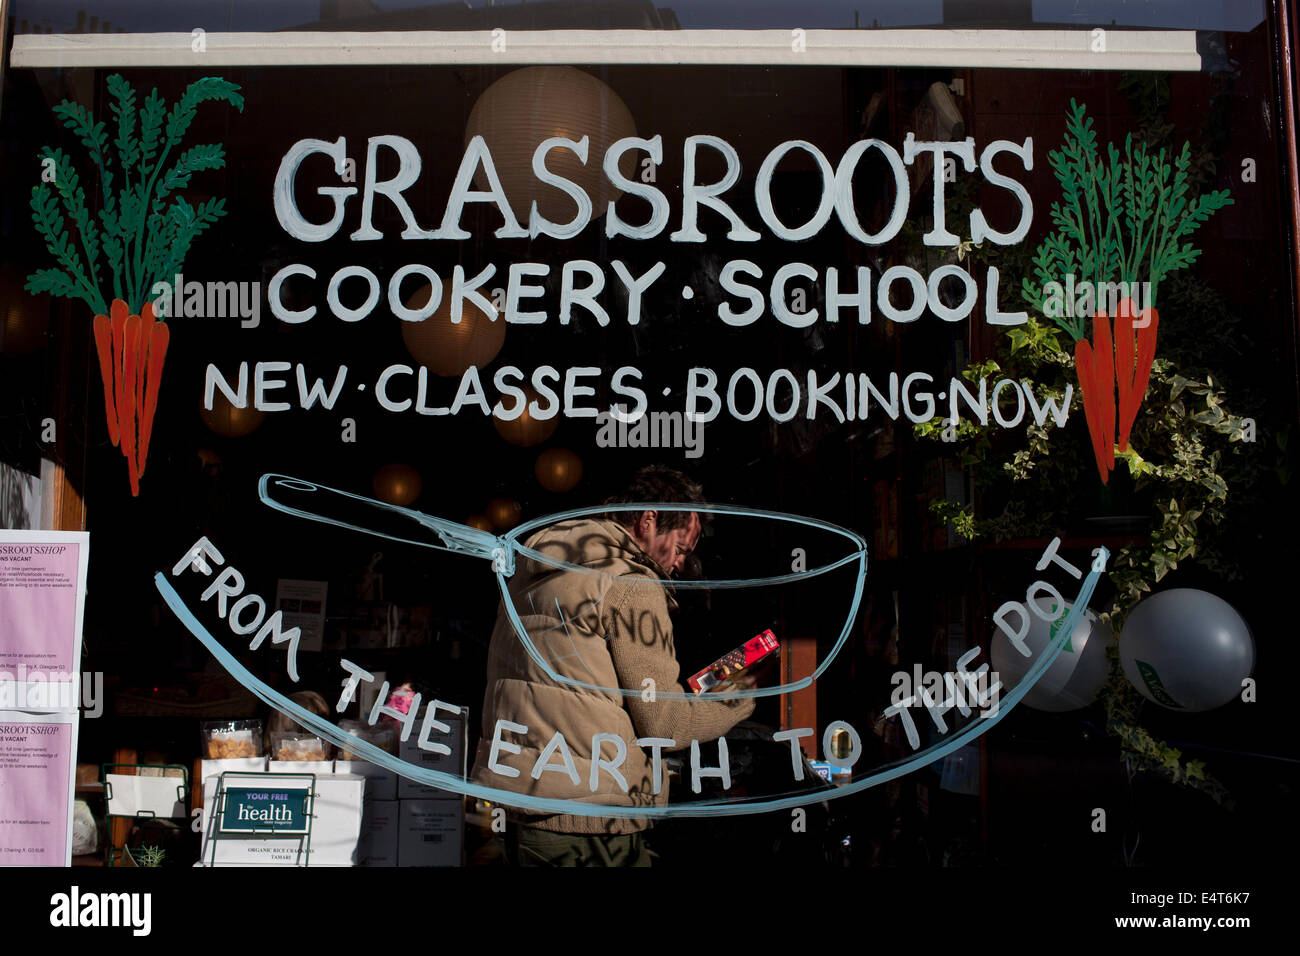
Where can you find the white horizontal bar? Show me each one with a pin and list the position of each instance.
(1172, 50)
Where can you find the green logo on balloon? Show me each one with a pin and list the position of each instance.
(1152, 680)
(1056, 629)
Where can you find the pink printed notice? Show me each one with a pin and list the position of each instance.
(35, 790)
(38, 606)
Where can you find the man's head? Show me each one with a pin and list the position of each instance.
(668, 536)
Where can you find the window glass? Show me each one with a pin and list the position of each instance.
(915, 328)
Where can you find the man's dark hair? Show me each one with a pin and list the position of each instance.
(658, 483)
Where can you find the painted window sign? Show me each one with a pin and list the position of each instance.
(143, 229)
(1120, 224)
(610, 265)
(244, 613)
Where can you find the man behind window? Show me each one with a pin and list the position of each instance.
(607, 626)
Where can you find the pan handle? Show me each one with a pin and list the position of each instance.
(316, 502)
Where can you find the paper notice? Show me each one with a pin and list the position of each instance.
(37, 757)
(42, 583)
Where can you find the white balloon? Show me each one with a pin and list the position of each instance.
(1186, 650)
(1075, 676)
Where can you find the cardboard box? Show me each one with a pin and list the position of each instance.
(453, 763)
(321, 768)
(380, 829)
(730, 665)
(335, 825)
(381, 783)
(430, 833)
(210, 768)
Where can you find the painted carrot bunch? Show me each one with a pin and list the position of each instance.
(1118, 222)
(131, 351)
(1103, 369)
(143, 231)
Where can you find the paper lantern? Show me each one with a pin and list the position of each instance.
(558, 470)
(479, 521)
(225, 419)
(397, 484)
(24, 318)
(526, 431)
(23, 329)
(523, 108)
(446, 348)
(504, 513)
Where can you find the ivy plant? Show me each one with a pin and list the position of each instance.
(1191, 437)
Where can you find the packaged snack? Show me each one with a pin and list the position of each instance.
(381, 735)
(227, 739)
(296, 745)
(731, 664)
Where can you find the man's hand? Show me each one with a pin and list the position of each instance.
(743, 682)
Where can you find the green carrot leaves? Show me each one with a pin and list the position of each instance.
(208, 88)
(56, 282)
(151, 120)
(128, 147)
(74, 280)
(143, 238)
(207, 156)
(92, 135)
(1124, 218)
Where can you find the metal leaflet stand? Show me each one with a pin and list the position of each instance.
(216, 833)
(182, 793)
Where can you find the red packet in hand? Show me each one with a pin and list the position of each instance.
(731, 664)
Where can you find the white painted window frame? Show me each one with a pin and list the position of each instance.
(1169, 50)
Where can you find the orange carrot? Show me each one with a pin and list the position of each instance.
(1146, 354)
(104, 346)
(1103, 353)
(146, 326)
(117, 313)
(1083, 366)
(1125, 357)
(160, 336)
(131, 349)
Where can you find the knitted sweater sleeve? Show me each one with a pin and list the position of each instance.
(640, 635)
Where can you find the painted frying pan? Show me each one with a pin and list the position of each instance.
(342, 509)
(841, 548)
